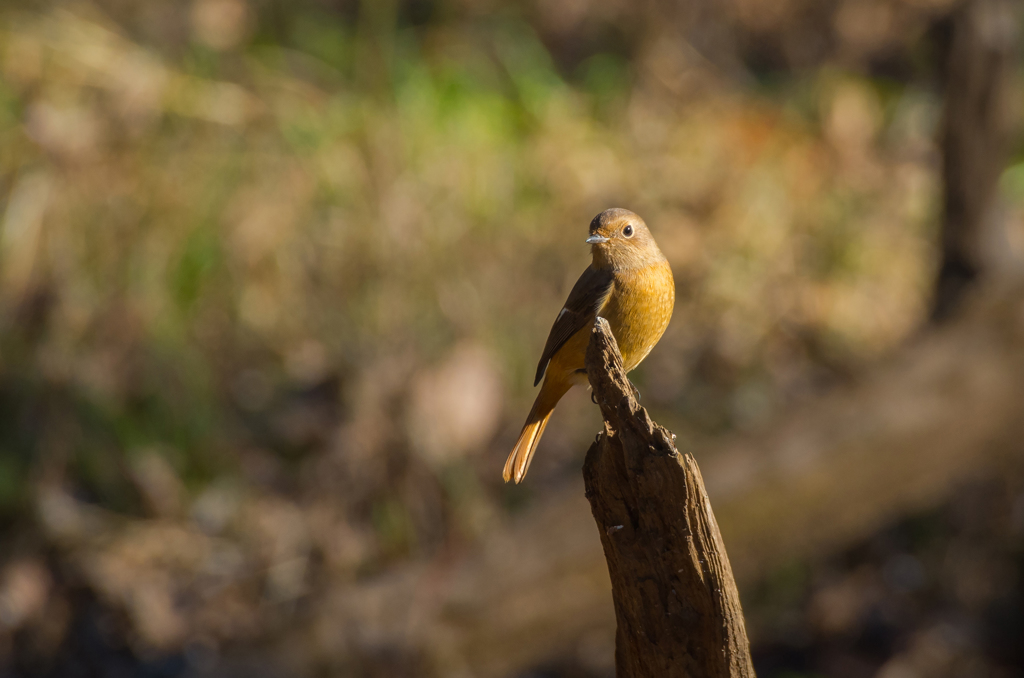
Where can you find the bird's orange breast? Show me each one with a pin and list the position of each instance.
(639, 310)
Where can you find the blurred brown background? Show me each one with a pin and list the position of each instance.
(274, 277)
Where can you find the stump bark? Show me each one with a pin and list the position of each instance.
(676, 604)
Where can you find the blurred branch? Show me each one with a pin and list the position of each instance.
(944, 409)
(676, 602)
(975, 141)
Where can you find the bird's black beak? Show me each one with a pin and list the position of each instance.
(596, 239)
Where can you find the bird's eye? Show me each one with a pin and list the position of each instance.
(628, 231)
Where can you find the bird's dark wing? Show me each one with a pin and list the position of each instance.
(587, 297)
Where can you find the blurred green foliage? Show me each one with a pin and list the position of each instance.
(274, 275)
(304, 213)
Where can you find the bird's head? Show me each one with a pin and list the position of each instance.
(620, 239)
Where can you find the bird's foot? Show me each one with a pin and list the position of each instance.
(593, 397)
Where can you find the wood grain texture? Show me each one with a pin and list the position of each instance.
(676, 604)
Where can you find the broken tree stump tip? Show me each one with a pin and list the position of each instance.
(677, 608)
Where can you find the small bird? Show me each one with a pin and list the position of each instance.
(629, 283)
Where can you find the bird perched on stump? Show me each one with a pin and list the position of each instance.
(629, 283)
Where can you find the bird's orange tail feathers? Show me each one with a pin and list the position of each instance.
(522, 454)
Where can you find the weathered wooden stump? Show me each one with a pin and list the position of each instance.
(676, 603)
